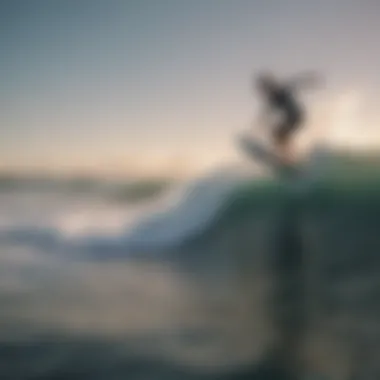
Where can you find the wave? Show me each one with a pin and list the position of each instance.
(182, 210)
(113, 190)
(184, 214)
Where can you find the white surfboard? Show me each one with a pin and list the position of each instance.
(263, 153)
(259, 151)
(299, 178)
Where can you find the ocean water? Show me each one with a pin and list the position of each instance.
(228, 276)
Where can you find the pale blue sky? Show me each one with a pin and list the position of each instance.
(118, 83)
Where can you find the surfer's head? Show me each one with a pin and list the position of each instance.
(265, 82)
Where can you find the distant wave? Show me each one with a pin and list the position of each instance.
(118, 191)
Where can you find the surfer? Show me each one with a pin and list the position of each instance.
(280, 97)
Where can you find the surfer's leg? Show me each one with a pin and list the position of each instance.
(283, 135)
(282, 138)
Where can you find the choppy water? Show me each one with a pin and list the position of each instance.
(199, 280)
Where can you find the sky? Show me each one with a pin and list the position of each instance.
(164, 85)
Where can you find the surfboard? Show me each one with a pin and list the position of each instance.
(263, 153)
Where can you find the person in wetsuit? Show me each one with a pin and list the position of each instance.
(281, 97)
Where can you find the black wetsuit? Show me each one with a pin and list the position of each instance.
(282, 99)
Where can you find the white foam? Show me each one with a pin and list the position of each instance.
(194, 208)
